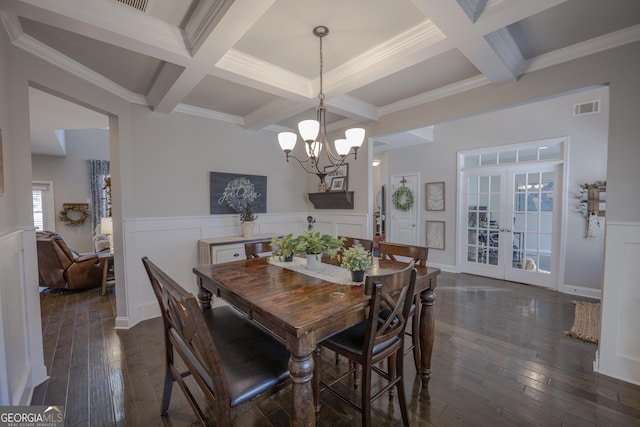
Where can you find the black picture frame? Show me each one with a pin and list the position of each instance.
(338, 183)
(218, 182)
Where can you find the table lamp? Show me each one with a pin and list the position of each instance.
(106, 227)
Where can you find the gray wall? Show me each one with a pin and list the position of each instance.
(70, 177)
(550, 118)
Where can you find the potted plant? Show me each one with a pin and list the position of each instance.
(316, 244)
(285, 247)
(240, 195)
(358, 260)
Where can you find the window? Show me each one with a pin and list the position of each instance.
(43, 208)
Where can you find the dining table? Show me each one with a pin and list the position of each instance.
(302, 310)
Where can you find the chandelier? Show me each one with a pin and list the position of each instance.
(314, 134)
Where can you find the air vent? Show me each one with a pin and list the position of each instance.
(141, 5)
(592, 107)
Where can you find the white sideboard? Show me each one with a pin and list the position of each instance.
(224, 249)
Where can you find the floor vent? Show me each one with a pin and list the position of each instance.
(141, 5)
(592, 107)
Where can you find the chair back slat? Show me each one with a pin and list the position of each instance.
(393, 294)
(257, 249)
(395, 251)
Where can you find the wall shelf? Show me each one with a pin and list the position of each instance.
(332, 200)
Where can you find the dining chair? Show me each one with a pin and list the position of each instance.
(373, 340)
(257, 249)
(351, 241)
(417, 254)
(233, 361)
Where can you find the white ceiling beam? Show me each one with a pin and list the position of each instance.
(237, 19)
(108, 22)
(274, 112)
(484, 40)
(353, 108)
(244, 69)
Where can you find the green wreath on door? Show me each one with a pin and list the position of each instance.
(403, 199)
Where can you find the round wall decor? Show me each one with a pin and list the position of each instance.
(74, 214)
(402, 199)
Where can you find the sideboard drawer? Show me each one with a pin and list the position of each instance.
(227, 253)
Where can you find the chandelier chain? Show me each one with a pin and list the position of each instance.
(321, 94)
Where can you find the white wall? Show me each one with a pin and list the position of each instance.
(70, 177)
(21, 355)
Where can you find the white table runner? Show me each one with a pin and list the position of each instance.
(331, 273)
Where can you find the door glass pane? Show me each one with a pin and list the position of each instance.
(533, 220)
(483, 216)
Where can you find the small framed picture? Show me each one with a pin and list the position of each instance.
(338, 183)
(435, 234)
(435, 196)
(342, 171)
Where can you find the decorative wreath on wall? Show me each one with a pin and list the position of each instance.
(402, 199)
(74, 214)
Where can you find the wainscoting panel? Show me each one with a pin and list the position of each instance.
(21, 354)
(619, 348)
(172, 244)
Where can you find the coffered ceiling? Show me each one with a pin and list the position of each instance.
(255, 63)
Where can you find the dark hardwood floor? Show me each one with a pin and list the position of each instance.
(500, 359)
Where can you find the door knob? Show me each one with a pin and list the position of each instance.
(508, 230)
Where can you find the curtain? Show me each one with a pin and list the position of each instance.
(100, 208)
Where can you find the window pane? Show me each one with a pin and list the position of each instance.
(508, 157)
(471, 160)
(550, 153)
(489, 159)
(527, 154)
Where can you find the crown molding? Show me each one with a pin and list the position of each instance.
(209, 114)
(272, 79)
(35, 47)
(414, 40)
(588, 47)
(206, 16)
(12, 25)
(443, 92)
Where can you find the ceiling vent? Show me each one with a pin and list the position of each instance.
(141, 5)
(592, 107)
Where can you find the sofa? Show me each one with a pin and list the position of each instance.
(61, 267)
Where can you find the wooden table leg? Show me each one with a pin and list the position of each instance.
(105, 270)
(427, 333)
(303, 408)
(204, 296)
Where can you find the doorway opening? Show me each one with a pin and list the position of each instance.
(511, 201)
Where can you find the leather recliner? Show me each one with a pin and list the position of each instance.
(59, 267)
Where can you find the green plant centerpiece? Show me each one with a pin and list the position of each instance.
(315, 245)
(358, 260)
(285, 247)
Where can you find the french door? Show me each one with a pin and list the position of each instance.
(510, 223)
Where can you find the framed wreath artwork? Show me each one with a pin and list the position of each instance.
(435, 234)
(435, 196)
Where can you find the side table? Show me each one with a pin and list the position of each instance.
(108, 273)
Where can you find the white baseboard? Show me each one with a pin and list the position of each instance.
(582, 291)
